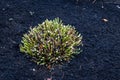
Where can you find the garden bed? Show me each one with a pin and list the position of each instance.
(100, 28)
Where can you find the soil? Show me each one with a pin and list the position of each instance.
(100, 28)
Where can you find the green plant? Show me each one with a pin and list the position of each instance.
(51, 42)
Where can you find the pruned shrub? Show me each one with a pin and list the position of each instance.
(51, 42)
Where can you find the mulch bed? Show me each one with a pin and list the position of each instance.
(100, 27)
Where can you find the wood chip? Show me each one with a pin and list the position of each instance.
(105, 20)
(49, 78)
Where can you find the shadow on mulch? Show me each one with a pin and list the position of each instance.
(100, 59)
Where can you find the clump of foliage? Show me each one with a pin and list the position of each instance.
(51, 42)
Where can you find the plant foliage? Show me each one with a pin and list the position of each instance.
(51, 42)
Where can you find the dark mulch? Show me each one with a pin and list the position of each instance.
(100, 59)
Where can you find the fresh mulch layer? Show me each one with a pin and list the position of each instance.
(100, 27)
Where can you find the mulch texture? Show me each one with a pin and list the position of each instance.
(100, 27)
